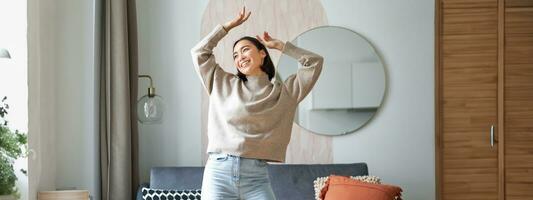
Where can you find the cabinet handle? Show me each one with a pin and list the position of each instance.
(491, 136)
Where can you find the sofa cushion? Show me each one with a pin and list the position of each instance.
(345, 188)
(320, 182)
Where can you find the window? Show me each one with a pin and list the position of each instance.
(13, 75)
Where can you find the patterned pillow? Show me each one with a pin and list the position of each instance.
(321, 181)
(159, 194)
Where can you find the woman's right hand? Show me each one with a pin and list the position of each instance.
(241, 18)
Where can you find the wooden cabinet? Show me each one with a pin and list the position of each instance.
(518, 100)
(484, 85)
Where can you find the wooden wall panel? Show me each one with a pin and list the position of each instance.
(519, 49)
(447, 4)
(518, 3)
(519, 20)
(470, 21)
(518, 108)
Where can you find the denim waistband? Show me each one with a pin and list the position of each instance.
(215, 154)
(222, 154)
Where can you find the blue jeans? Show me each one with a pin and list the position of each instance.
(232, 177)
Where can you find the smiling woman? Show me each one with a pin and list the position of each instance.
(251, 58)
(251, 115)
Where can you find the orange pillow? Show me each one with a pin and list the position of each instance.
(345, 188)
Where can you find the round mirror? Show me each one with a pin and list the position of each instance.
(350, 88)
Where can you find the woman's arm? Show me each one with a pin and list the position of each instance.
(301, 83)
(204, 60)
(202, 53)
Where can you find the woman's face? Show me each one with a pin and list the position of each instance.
(248, 58)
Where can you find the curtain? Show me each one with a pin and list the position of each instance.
(41, 98)
(118, 97)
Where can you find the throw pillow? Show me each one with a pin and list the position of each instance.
(344, 188)
(159, 194)
(321, 181)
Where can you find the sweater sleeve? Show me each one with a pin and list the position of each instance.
(204, 60)
(301, 83)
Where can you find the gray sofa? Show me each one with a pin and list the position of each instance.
(294, 182)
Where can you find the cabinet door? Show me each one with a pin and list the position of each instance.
(518, 100)
(468, 98)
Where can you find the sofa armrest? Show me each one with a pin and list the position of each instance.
(139, 191)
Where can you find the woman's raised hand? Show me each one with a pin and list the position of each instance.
(270, 42)
(241, 18)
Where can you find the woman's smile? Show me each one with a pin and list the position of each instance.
(245, 63)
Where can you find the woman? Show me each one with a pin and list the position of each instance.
(250, 116)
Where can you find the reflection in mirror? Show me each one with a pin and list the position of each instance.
(350, 88)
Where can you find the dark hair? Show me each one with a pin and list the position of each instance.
(267, 67)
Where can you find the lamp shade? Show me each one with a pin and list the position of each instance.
(150, 109)
(4, 53)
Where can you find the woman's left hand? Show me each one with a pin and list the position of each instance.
(270, 42)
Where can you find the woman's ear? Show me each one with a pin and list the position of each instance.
(262, 53)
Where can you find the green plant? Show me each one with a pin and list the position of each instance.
(11, 148)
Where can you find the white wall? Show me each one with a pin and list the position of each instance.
(168, 29)
(398, 144)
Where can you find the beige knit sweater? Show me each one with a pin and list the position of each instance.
(253, 118)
